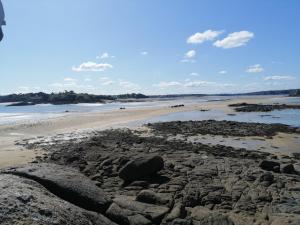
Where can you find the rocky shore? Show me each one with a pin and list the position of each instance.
(225, 128)
(245, 107)
(136, 177)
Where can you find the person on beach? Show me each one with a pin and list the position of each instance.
(2, 20)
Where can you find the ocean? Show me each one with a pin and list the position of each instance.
(29, 114)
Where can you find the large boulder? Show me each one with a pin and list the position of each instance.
(270, 166)
(141, 167)
(67, 183)
(26, 202)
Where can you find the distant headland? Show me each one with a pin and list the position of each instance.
(70, 97)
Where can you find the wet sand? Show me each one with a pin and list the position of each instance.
(11, 154)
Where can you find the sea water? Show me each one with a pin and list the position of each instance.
(289, 116)
(34, 113)
(25, 114)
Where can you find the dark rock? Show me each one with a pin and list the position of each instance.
(270, 166)
(203, 216)
(295, 154)
(245, 107)
(141, 167)
(224, 180)
(177, 106)
(125, 216)
(181, 222)
(67, 183)
(26, 202)
(289, 168)
(266, 179)
(142, 183)
(152, 212)
(21, 104)
(224, 127)
(178, 211)
(148, 196)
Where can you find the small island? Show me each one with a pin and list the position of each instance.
(67, 97)
(70, 97)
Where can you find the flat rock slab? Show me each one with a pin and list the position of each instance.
(26, 202)
(66, 183)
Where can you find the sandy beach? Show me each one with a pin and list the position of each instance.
(11, 154)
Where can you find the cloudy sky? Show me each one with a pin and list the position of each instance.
(153, 47)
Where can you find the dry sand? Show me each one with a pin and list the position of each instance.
(11, 154)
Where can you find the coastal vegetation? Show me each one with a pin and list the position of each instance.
(67, 97)
(70, 97)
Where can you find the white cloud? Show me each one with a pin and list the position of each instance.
(87, 80)
(144, 53)
(164, 84)
(69, 83)
(92, 66)
(280, 78)
(188, 84)
(190, 54)
(194, 74)
(198, 83)
(109, 82)
(208, 35)
(236, 39)
(105, 55)
(104, 78)
(69, 79)
(223, 72)
(127, 84)
(255, 69)
(187, 60)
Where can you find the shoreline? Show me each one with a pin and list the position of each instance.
(10, 154)
(153, 172)
(159, 173)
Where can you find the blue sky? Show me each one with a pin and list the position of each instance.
(153, 47)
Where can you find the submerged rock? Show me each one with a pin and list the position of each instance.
(141, 167)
